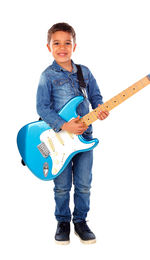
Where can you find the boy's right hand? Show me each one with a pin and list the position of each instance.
(75, 126)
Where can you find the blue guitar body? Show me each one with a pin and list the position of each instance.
(47, 153)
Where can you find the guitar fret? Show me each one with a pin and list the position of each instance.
(84, 120)
(123, 96)
(132, 90)
(137, 86)
(108, 106)
(96, 111)
(94, 117)
(88, 121)
(141, 85)
(91, 116)
(145, 81)
(105, 107)
(115, 101)
(101, 108)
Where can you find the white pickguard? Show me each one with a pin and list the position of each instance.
(61, 145)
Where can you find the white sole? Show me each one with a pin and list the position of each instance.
(87, 242)
(62, 242)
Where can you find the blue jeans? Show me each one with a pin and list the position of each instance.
(78, 171)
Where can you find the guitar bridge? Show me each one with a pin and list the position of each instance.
(43, 150)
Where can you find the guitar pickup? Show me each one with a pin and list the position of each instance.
(43, 150)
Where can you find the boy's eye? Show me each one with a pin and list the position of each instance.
(67, 43)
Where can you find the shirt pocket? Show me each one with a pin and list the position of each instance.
(62, 86)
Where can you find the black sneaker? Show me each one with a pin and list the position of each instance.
(62, 233)
(84, 233)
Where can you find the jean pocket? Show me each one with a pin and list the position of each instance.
(87, 135)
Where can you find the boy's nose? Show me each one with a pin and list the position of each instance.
(62, 46)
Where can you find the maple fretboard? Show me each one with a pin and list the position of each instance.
(116, 100)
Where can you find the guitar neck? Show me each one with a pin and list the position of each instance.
(116, 100)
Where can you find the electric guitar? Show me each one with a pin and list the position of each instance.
(47, 153)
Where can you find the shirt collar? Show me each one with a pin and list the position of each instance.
(57, 67)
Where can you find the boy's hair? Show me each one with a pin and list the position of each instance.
(65, 27)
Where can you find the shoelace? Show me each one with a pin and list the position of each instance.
(64, 227)
(84, 227)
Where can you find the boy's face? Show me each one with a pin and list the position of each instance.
(61, 46)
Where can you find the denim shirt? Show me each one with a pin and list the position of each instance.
(57, 86)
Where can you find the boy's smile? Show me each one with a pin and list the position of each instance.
(61, 46)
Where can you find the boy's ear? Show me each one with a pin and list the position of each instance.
(74, 47)
(48, 47)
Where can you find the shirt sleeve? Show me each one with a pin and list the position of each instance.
(44, 105)
(95, 96)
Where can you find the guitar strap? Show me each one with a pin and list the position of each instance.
(80, 76)
(82, 84)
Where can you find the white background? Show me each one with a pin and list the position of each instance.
(113, 40)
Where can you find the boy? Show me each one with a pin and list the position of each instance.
(58, 84)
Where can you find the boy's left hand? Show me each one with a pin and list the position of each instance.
(102, 114)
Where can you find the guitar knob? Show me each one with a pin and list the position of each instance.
(56, 161)
(54, 171)
(45, 169)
